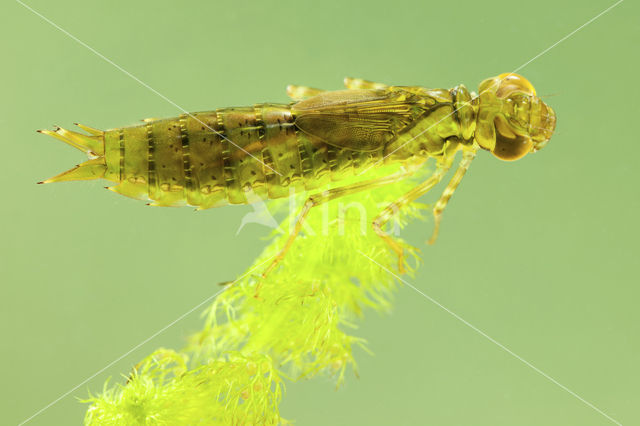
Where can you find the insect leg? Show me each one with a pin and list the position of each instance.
(358, 83)
(402, 202)
(298, 93)
(323, 197)
(467, 158)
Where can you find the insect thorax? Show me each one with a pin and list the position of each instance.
(451, 118)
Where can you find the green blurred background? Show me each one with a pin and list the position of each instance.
(540, 254)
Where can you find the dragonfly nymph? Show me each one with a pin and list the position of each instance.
(233, 155)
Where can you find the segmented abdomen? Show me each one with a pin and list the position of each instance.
(227, 156)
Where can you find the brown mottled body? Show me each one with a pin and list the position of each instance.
(240, 155)
(187, 161)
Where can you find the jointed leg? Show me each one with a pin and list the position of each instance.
(401, 202)
(358, 83)
(317, 199)
(298, 93)
(467, 158)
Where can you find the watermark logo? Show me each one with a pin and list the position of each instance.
(260, 215)
(351, 212)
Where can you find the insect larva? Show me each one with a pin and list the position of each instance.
(232, 155)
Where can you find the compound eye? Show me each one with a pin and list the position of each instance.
(509, 145)
(514, 82)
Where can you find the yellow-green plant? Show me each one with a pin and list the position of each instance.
(295, 323)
